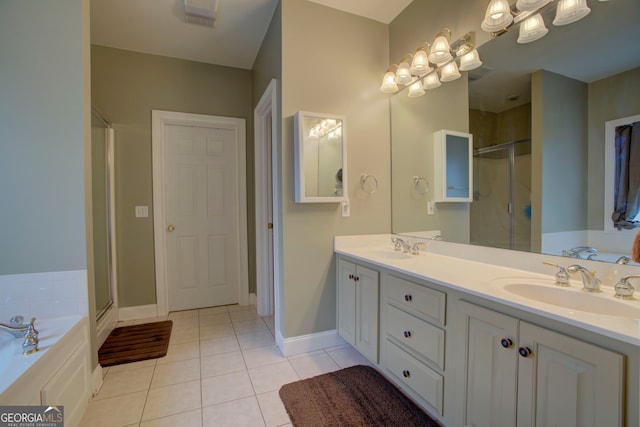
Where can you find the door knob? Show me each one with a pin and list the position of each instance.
(171, 227)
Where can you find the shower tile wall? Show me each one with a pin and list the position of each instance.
(43, 295)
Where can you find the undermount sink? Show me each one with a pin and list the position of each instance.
(572, 298)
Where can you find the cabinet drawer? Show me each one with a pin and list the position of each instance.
(425, 301)
(426, 382)
(416, 334)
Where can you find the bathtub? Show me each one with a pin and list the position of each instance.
(57, 374)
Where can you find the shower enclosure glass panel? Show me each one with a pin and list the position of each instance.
(501, 208)
(101, 209)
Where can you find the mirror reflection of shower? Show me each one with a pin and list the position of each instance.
(501, 208)
(101, 179)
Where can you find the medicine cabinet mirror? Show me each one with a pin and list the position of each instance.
(320, 148)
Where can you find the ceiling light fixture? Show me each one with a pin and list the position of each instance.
(450, 72)
(470, 61)
(420, 63)
(403, 73)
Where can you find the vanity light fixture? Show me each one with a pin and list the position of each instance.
(431, 81)
(497, 17)
(440, 50)
(527, 14)
(416, 90)
(570, 11)
(403, 73)
(531, 5)
(532, 29)
(418, 71)
(450, 72)
(389, 84)
(470, 61)
(420, 63)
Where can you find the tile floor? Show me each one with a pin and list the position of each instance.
(222, 369)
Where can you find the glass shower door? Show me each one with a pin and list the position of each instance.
(100, 210)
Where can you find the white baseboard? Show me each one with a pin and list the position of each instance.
(137, 312)
(308, 343)
(107, 324)
(253, 299)
(96, 380)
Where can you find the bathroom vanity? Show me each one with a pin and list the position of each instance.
(464, 340)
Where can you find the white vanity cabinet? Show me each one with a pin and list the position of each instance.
(414, 339)
(358, 307)
(517, 373)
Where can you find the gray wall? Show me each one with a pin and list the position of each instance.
(332, 62)
(42, 132)
(609, 99)
(126, 86)
(562, 151)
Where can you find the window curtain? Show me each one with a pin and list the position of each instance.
(627, 177)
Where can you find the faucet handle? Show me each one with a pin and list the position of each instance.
(16, 320)
(30, 344)
(624, 289)
(562, 276)
(415, 249)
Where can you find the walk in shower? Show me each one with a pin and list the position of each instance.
(501, 208)
(101, 173)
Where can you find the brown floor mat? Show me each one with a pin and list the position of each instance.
(356, 396)
(135, 343)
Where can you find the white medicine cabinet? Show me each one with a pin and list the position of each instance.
(452, 166)
(320, 149)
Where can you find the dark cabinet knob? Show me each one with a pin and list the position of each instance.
(506, 342)
(408, 297)
(525, 351)
(407, 334)
(406, 374)
(351, 276)
(356, 278)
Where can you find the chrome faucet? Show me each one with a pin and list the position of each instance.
(400, 245)
(590, 282)
(623, 260)
(578, 250)
(624, 289)
(18, 329)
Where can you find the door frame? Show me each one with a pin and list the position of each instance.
(159, 120)
(268, 105)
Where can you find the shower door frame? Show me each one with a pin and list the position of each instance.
(510, 146)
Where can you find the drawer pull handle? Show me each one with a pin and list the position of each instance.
(408, 297)
(407, 334)
(506, 342)
(525, 351)
(406, 374)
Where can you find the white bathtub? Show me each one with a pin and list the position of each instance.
(57, 374)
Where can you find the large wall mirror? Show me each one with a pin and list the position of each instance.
(537, 113)
(320, 158)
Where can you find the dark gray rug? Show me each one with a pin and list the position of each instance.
(356, 396)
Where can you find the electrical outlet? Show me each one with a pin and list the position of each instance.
(345, 208)
(431, 208)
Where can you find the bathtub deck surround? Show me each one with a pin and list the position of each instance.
(222, 368)
(484, 336)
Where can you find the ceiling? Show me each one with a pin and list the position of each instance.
(158, 27)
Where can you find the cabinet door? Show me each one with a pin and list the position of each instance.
(490, 367)
(367, 312)
(568, 382)
(347, 301)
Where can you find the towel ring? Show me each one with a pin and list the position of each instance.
(368, 183)
(416, 185)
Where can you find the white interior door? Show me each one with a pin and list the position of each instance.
(202, 214)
